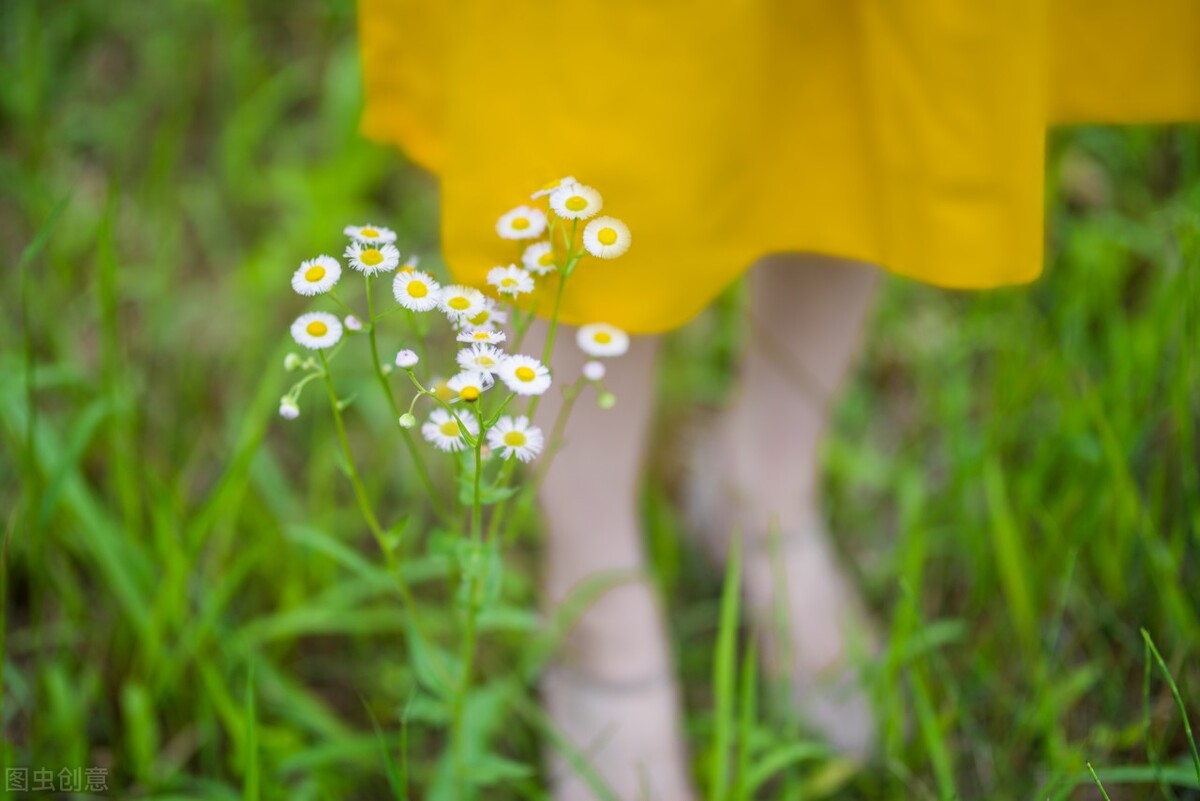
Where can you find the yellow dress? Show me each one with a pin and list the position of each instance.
(907, 133)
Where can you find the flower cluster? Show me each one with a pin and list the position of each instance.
(483, 415)
(483, 321)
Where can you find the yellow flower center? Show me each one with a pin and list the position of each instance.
(602, 337)
(480, 318)
(508, 282)
(314, 273)
(525, 373)
(459, 303)
(482, 335)
(370, 257)
(520, 223)
(514, 438)
(576, 203)
(607, 236)
(443, 391)
(317, 328)
(485, 361)
(546, 259)
(449, 428)
(417, 289)
(370, 233)
(469, 393)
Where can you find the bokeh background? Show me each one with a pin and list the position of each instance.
(192, 603)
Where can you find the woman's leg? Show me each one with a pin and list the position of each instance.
(612, 691)
(807, 312)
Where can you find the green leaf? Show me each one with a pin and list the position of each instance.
(489, 769)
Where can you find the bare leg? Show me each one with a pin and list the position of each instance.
(613, 692)
(807, 312)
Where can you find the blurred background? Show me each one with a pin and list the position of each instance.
(191, 602)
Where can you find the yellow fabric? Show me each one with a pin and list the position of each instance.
(908, 133)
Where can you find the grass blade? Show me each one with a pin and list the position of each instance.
(725, 673)
(1096, 779)
(250, 789)
(1187, 726)
(747, 715)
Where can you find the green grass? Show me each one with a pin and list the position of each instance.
(192, 601)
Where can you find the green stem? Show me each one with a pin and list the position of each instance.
(476, 506)
(469, 633)
(466, 434)
(341, 303)
(409, 444)
(364, 503)
(299, 385)
(507, 471)
(553, 446)
(554, 442)
(496, 416)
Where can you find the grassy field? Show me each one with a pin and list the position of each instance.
(193, 603)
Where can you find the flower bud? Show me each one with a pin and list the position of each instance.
(353, 323)
(606, 400)
(593, 370)
(288, 409)
(407, 359)
(292, 362)
(408, 420)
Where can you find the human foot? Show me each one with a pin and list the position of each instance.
(627, 732)
(813, 627)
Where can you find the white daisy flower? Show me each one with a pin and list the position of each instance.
(510, 280)
(316, 276)
(352, 323)
(444, 431)
(483, 358)
(602, 339)
(523, 222)
(484, 335)
(538, 258)
(470, 385)
(488, 317)
(406, 359)
(576, 202)
(288, 409)
(594, 371)
(515, 437)
(371, 259)
(416, 291)
(461, 302)
(370, 234)
(606, 237)
(317, 330)
(524, 375)
(550, 187)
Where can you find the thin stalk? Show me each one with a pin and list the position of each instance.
(449, 409)
(469, 632)
(554, 445)
(418, 462)
(364, 503)
(555, 442)
(506, 472)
